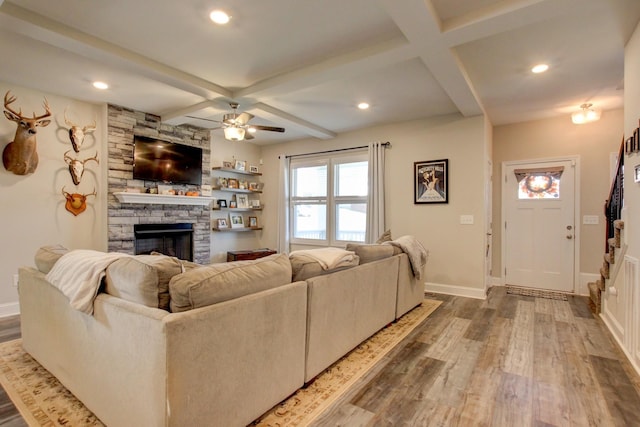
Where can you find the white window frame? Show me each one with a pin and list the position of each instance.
(331, 201)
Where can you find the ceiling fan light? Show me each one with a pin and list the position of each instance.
(586, 115)
(252, 130)
(234, 133)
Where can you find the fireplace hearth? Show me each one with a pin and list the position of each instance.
(170, 239)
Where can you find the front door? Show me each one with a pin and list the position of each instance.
(539, 200)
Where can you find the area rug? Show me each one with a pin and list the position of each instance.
(308, 403)
(43, 401)
(537, 293)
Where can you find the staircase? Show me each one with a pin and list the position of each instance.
(614, 249)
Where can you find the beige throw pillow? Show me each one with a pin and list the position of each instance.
(47, 256)
(372, 252)
(386, 237)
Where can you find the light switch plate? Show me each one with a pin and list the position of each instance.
(591, 219)
(466, 219)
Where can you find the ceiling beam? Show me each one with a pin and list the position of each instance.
(41, 28)
(274, 115)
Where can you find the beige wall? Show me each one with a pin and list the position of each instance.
(33, 212)
(456, 251)
(559, 137)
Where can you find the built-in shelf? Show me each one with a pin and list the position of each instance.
(218, 168)
(236, 190)
(237, 209)
(239, 229)
(162, 199)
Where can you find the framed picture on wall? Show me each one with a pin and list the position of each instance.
(431, 181)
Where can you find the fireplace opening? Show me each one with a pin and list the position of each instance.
(170, 239)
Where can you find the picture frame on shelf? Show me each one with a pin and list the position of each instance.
(254, 169)
(254, 203)
(242, 184)
(233, 204)
(243, 201)
(232, 183)
(222, 223)
(237, 221)
(253, 221)
(430, 181)
(241, 165)
(253, 186)
(222, 203)
(223, 182)
(227, 165)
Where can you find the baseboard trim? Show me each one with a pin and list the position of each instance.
(618, 335)
(459, 291)
(9, 309)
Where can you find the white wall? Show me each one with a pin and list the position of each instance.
(223, 150)
(32, 212)
(456, 252)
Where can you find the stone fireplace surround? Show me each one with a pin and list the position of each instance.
(123, 124)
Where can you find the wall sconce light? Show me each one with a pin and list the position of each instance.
(586, 115)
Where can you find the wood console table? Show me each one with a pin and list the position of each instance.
(249, 255)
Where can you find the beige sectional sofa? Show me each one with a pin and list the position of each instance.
(238, 338)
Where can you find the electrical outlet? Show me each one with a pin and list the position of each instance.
(15, 280)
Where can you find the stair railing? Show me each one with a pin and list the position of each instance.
(613, 205)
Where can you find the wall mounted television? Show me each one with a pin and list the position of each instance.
(157, 160)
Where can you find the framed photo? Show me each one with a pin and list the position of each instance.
(253, 186)
(636, 174)
(223, 182)
(243, 200)
(222, 203)
(431, 181)
(253, 221)
(233, 204)
(228, 165)
(232, 183)
(241, 165)
(253, 169)
(222, 223)
(237, 221)
(254, 203)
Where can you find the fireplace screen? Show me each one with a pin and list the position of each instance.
(170, 239)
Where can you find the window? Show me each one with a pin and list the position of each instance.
(542, 183)
(329, 199)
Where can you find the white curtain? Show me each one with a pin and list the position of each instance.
(375, 213)
(283, 205)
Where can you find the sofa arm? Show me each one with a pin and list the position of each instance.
(410, 289)
(229, 363)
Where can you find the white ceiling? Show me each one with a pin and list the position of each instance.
(304, 65)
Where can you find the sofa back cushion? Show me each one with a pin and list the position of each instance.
(216, 283)
(46, 257)
(143, 279)
(372, 252)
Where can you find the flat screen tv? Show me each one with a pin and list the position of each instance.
(156, 160)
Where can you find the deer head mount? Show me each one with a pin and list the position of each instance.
(76, 203)
(20, 155)
(77, 132)
(76, 167)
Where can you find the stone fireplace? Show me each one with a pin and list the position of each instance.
(123, 218)
(170, 239)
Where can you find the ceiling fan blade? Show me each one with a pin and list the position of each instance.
(269, 128)
(248, 135)
(243, 118)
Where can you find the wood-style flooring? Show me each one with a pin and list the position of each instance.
(505, 361)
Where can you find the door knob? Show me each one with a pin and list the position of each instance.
(569, 236)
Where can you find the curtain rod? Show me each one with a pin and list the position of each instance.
(384, 144)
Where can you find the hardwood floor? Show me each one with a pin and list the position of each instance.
(506, 361)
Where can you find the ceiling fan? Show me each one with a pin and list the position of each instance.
(236, 126)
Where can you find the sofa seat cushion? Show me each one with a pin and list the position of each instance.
(143, 279)
(47, 256)
(305, 266)
(216, 283)
(373, 252)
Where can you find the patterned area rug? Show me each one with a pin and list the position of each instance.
(43, 401)
(538, 293)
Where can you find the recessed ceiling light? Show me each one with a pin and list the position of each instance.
(540, 68)
(219, 17)
(100, 85)
(363, 105)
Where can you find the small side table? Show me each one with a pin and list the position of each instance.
(249, 255)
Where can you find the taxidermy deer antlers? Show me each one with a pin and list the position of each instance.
(76, 167)
(20, 156)
(77, 132)
(76, 203)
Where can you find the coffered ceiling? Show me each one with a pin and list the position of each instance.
(305, 65)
